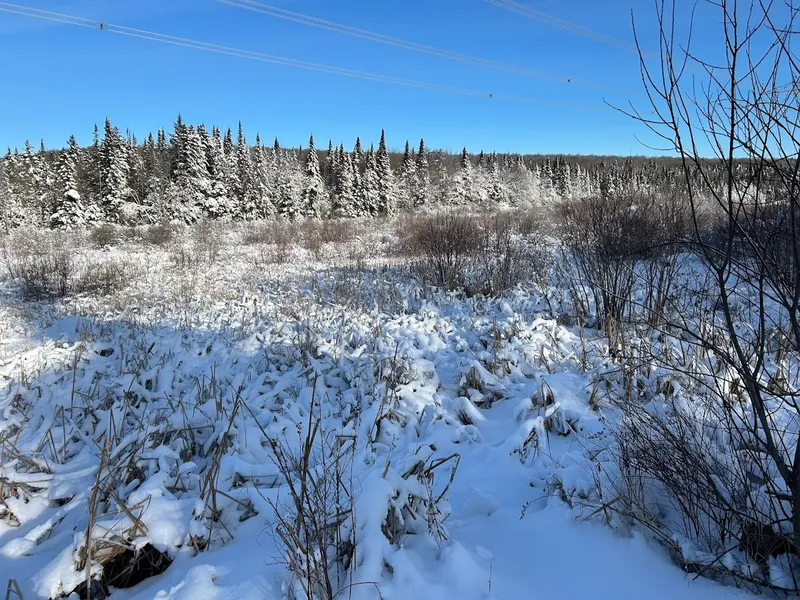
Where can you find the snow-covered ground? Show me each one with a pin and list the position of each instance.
(154, 413)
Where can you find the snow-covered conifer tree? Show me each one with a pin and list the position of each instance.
(114, 192)
(68, 210)
(422, 181)
(314, 200)
(370, 196)
(244, 197)
(463, 190)
(406, 179)
(387, 203)
(289, 184)
(261, 180)
(345, 197)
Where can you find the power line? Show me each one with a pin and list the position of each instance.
(289, 62)
(288, 15)
(553, 21)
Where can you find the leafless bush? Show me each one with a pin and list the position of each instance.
(747, 113)
(606, 238)
(337, 231)
(316, 544)
(202, 248)
(258, 232)
(103, 278)
(104, 236)
(47, 275)
(445, 244)
(506, 258)
(686, 469)
(314, 235)
(159, 234)
(271, 241)
(44, 274)
(527, 221)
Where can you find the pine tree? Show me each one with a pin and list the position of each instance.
(358, 155)
(463, 188)
(496, 192)
(190, 182)
(387, 204)
(406, 179)
(137, 177)
(561, 178)
(345, 201)
(11, 214)
(114, 190)
(45, 187)
(313, 188)
(370, 193)
(289, 186)
(331, 168)
(243, 189)
(68, 210)
(217, 203)
(422, 182)
(262, 182)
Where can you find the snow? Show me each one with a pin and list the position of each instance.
(246, 361)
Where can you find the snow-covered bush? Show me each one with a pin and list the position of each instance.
(444, 244)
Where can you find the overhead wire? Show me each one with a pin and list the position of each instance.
(558, 22)
(296, 17)
(106, 27)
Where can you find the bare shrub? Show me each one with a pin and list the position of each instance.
(104, 236)
(43, 274)
(687, 473)
(743, 330)
(316, 545)
(605, 239)
(314, 235)
(103, 278)
(203, 247)
(444, 244)
(207, 240)
(336, 231)
(47, 275)
(258, 232)
(159, 234)
(506, 258)
(272, 241)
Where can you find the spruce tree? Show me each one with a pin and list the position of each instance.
(11, 214)
(289, 186)
(68, 210)
(463, 188)
(422, 182)
(113, 174)
(358, 155)
(261, 180)
(331, 168)
(244, 197)
(190, 182)
(370, 196)
(496, 192)
(387, 204)
(313, 188)
(345, 199)
(45, 187)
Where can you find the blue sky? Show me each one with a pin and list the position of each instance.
(59, 79)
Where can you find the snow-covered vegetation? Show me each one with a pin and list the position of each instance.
(296, 410)
(259, 374)
(192, 173)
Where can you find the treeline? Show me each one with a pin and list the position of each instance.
(193, 173)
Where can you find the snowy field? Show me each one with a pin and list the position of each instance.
(267, 420)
